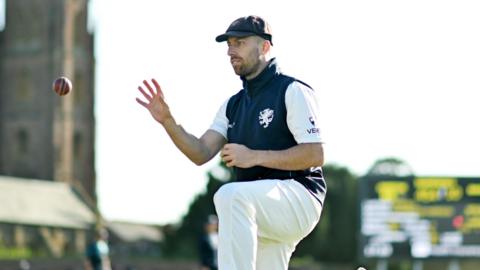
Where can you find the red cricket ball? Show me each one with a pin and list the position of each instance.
(62, 86)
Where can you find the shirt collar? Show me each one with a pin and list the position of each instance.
(256, 84)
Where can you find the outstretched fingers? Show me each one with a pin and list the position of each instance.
(151, 94)
(147, 96)
(144, 104)
(150, 89)
(158, 88)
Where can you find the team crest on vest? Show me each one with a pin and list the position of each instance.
(265, 117)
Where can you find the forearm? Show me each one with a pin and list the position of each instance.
(299, 157)
(188, 144)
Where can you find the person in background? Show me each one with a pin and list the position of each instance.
(208, 244)
(98, 253)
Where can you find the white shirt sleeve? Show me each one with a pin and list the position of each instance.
(303, 113)
(220, 123)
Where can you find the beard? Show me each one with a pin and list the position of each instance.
(245, 67)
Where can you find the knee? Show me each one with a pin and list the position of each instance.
(228, 195)
(233, 199)
(223, 195)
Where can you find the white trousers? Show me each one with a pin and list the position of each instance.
(261, 222)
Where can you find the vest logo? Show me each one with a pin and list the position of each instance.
(265, 117)
(314, 129)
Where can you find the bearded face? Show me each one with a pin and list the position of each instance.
(245, 56)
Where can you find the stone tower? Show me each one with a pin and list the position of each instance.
(42, 135)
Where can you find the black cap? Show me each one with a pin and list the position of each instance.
(247, 26)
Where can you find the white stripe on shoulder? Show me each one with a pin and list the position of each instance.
(302, 113)
(220, 122)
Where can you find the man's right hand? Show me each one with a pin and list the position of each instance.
(198, 150)
(155, 104)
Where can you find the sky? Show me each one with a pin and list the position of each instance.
(394, 79)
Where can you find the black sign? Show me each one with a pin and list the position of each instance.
(420, 217)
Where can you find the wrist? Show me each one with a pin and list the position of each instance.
(259, 157)
(168, 122)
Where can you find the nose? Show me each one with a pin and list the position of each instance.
(230, 51)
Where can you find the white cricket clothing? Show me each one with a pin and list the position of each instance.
(261, 222)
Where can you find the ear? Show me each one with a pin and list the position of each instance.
(266, 45)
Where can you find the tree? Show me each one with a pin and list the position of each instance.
(390, 166)
(181, 241)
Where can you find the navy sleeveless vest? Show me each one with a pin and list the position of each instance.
(257, 118)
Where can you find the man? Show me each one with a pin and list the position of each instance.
(97, 252)
(208, 244)
(268, 134)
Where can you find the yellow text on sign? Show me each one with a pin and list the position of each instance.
(437, 189)
(391, 190)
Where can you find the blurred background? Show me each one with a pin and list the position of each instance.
(397, 82)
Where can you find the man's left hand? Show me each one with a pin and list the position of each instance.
(238, 155)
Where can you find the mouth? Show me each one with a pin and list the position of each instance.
(235, 61)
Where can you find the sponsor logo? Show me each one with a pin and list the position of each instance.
(313, 130)
(231, 125)
(265, 117)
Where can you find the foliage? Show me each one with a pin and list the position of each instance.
(390, 166)
(182, 241)
(11, 253)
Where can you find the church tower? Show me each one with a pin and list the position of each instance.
(42, 135)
